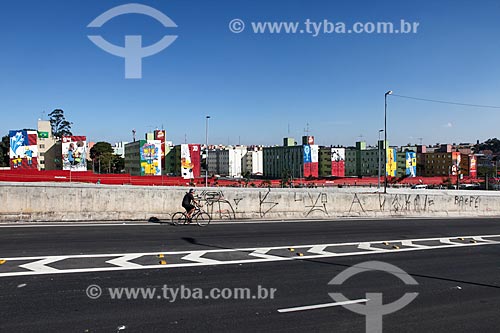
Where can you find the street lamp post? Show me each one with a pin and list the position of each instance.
(378, 186)
(206, 146)
(385, 139)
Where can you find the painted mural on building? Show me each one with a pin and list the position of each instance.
(472, 166)
(151, 158)
(455, 163)
(161, 136)
(338, 162)
(311, 167)
(411, 164)
(74, 153)
(186, 163)
(195, 155)
(391, 166)
(23, 152)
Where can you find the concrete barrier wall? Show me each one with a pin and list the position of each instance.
(92, 202)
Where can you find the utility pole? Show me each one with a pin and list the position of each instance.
(206, 154)
(379, 168)
(385, 139)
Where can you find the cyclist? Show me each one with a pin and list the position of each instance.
(187, 203)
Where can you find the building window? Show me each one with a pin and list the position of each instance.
(42, 146)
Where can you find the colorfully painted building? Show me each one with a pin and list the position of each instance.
(406, 163)
(331, 162)
(184, 161)
(23, 151)
(447, 164)
(74, 153)
(296, 161)
(143, 158)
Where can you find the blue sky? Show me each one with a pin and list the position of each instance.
(255, 86)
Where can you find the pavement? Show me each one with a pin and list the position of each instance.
(69, 277)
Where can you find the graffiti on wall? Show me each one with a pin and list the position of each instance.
(217, 206)
(467, 202)
(397, 204)
(318, 203)
(410, 203)
(356, 203)
(265, 206)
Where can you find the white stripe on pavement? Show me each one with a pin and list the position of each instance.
(320, 306)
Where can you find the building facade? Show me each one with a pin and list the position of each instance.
(253, 162)
(295, 161)
(363, 161)
(23, 151)
(331, 162)
(49, 149)
(183, 161)
(227, 161)
(119, 148)
(143, 158)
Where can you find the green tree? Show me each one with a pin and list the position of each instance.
(102, 156)
(100, 148)
(4, 151)
(490, 144)
(60, 126)
(118, 164)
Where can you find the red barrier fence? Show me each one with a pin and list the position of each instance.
(126, 179)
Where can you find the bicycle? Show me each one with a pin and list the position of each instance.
(201, 217)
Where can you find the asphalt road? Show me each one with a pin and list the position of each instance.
(458, 288)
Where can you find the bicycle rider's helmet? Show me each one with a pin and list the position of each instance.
(191, 190)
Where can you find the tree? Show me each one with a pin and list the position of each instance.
(490, 144)
(103, 153)
(4, 151)
(118, 164)
(60, 126)
(100, 148)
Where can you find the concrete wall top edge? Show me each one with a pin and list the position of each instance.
(363, 190)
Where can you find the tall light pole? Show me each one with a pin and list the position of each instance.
(385, 139)
(206, 146)
(379, 131)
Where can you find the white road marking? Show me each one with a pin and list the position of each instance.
(409, 243)
(481, 239)
(447, 241)
(196, 257)
(368, 246)
(319, 249)
(124, 261)
(262, 253)
(39, 266)
(320, 306)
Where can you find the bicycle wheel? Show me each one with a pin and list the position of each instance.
(178, 218)
(203, 219)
